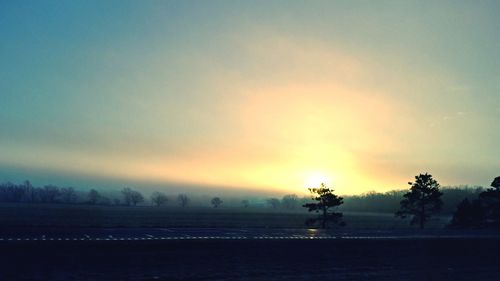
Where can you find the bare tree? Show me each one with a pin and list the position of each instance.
(11, 192)
(29, 191)
(68, 195)
(49, 193)
(159, 199)
(183, 199)
(216, 202)
(132, 197)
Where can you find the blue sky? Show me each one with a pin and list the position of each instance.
(253, 94)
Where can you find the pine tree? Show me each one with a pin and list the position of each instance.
(422, 201)
(326, 201)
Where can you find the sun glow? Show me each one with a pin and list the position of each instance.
(316, 179)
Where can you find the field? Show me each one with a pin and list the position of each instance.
(59, 215)
(404, 256)
(374, 260)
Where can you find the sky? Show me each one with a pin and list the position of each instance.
(250, 95)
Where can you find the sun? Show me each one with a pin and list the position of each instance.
(316, 179)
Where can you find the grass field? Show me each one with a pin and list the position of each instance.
(59, 215)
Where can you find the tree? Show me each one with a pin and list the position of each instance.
(481, 212)
(183, 200)
(216, 202)
(496, 183)
(491, 203)
(290, 201)
(68, 195)
(422, 201)
(132, 197)
(49, 194)
(326, 202)
(468, 214)
(29, 191)
(273, 202)
(93, 196)
(159, 199)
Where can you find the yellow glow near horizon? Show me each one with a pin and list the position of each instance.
(316, 179)
(311, 114)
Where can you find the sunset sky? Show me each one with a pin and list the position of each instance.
(264, 95)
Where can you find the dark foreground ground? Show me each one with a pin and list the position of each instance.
(332, 259)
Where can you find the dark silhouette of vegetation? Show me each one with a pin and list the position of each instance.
(484, 211)
(216, 202)
(479, 210)
(68, 195)
(496, 183)
(387, 202)
(326, 202)
(273, 202)
(93, 196)
(422, 201)
(30, 192)
(469, 214)
(49, 194)
(159, 199)
(491, 203)
(183, 200)
(132, 197)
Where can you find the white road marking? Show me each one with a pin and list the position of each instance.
(226, 236)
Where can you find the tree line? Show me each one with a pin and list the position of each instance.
(470, 206)
(420, 203)
(27, 193)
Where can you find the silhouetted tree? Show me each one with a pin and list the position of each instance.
(290, 201)
(159, 199)
(491, 202)
(245, 203)
(29, 191)
(183, 200)
(10, 192)
(469, 214)
(422, 201)
(132, 197)
(49, 194)
(496, 183)
(326, 202)
(216, 202)
(482, 212)
(93, 196)
(68, 195)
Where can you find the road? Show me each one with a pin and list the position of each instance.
(144, 234)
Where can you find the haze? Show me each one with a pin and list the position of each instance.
(264, 95)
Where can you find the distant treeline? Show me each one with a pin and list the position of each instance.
(369, 202)
(387, 202)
